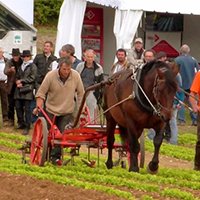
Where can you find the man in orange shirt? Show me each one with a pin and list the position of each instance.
(194, 99)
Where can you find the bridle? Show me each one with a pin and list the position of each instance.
(158, 105)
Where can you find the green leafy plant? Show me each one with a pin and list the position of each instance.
(46, 12)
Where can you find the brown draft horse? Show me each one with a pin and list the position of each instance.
(157, 80)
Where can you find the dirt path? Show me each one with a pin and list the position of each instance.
(169, 162)
(18, 187)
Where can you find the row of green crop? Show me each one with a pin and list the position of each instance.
(180, 152)
(12, 136)
(187, 139)
(116, 177)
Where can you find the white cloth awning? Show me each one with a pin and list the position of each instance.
(170, 6)
(70, 25)
(111, 3)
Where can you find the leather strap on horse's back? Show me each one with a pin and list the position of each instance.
(121, 75)
(138, 75)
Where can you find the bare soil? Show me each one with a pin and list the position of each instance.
(19, 187)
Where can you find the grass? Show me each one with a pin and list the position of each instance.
(45, 33)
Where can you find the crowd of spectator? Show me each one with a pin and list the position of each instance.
(58, 85)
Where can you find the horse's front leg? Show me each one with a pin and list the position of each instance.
(134, 148)
(157, 141)
(111, 124)
(110, 142)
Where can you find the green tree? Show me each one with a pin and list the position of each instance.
(46, 12)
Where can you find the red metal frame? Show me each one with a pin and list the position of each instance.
(92, 136)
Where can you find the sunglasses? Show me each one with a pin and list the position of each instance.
(25, 56)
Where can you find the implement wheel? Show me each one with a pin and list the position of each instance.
(38, 154)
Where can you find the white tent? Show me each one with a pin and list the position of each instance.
(170, 6)
(72, 14)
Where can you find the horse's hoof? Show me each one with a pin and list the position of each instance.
(152, 168)
(134, 169)
(109, 165)
(123, 164)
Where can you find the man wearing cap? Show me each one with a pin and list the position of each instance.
(161, 56)
(10, 70)
(135, 55)
(25, 83)
(3, 94)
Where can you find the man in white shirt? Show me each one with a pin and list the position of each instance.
(121, 63)
(3, 91)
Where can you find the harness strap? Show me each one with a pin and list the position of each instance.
(136, 77)
(111, 107)
(157, 112)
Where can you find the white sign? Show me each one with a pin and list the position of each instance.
(17, 38)
(154, 37)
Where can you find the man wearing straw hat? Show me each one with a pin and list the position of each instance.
(10, 70)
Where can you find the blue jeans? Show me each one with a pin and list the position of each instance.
(33, 117)
(151, 133)
(173, 127)
(181, 112)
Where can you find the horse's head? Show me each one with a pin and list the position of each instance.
(165, 88)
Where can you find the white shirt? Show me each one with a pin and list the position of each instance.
(3, 77)
(25, 64)
(118, 68)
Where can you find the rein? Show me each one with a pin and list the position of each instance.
(157, 110)
(111, 107)
(155, 92)
(187, 93)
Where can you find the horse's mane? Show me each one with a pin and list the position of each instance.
(167, 72)
(149, 68)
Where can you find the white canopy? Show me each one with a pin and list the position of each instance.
(70, 25)
(127, 17)
(112, 3)
(170, 6)
(69, 31)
